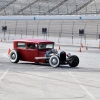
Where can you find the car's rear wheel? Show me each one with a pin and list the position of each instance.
(73, 61)
(14, 56)
(54, 61)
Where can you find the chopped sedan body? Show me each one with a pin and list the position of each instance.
(40, 51)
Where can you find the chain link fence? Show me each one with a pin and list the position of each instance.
(55, 28)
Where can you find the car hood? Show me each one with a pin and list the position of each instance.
(42, 52)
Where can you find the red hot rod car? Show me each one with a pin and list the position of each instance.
(40, 51)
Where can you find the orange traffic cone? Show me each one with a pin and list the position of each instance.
(86, 48)
(59, 47)
(0, 40)
(9, 51)
(99, 46)
(81, 45)
(80, 50)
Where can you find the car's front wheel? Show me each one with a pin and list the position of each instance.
(14, 56)
(73, 61)
(54, 61)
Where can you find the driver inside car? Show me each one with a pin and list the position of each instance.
(31, 46)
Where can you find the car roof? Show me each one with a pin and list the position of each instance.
(38, 41)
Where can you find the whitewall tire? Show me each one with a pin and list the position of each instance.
(54, 61)
(14, 56)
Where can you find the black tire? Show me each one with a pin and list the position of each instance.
(73, 61)
(54, 61)
(14, 56)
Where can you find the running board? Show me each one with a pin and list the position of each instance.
(37, 58)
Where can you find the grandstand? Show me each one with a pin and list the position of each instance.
(48, 7)
(61, 28)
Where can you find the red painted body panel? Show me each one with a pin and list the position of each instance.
(42, 54)
(23, 54)
(38, 41)
(27, 54)
(31, 54)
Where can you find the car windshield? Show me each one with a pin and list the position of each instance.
(45, 46)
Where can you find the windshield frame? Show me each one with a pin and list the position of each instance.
(43, 45)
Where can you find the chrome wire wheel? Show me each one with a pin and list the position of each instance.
(54, 61)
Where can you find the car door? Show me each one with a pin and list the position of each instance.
(32, 52)
(21, 47)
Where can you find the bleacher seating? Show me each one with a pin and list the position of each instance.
(70, 6)
(64, 28)
(92, 8)
(4, 3)
(48, 7)
(41, 7)
(15, 7)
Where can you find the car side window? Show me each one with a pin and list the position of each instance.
(21, 45)
(32, 46)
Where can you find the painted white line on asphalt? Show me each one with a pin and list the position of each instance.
(2, 77)
(92, 97)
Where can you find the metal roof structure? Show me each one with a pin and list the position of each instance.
(38, 41)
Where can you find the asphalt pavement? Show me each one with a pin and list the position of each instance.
(29, 81)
